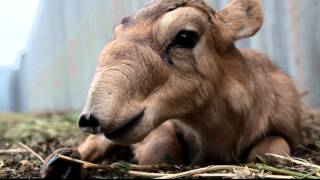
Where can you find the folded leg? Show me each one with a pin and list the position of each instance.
(94, 148)
(269, 145)
(157, 145)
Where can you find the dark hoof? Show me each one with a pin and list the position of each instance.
(58, 168)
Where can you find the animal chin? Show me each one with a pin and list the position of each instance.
(123, 130)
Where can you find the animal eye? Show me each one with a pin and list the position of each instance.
(186, 39)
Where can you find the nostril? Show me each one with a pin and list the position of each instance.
(88, 120)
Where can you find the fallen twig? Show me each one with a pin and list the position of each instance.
(216, 175)
(130, 169)
(12, 151)
(230, 175)
(146, 174)
(282, 171)
(304, 163)
(31, 151)
(113, 168)
(1, 164)
(200, 171)
(275, 177)
(87, 164)
(148, 167)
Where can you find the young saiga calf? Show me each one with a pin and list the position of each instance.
(172, 70)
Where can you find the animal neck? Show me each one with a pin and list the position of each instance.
(217, 119)
(218, 127)
(220, 121)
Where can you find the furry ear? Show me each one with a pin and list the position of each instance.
(242, 18)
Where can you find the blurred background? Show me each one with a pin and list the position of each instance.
(49, 48)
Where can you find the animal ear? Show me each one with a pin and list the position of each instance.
(242, 18)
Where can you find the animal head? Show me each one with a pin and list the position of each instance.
(164, 63)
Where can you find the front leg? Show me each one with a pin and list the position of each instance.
(94, 148)
(269, 145)
(157, 145)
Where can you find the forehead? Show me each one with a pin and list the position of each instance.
(156, 8)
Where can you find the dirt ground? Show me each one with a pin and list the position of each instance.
(44, 133)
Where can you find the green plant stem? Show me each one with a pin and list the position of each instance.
(281, 171)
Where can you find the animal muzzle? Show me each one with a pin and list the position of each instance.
(89, 123)
(118, 104)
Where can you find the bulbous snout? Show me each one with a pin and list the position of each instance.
(120, 101)
(89, 123)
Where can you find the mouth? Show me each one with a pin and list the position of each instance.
(131, 123)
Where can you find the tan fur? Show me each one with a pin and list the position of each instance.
(226, 103)
(270, 145)
(160, 143)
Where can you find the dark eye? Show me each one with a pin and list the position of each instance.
(186, 39)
